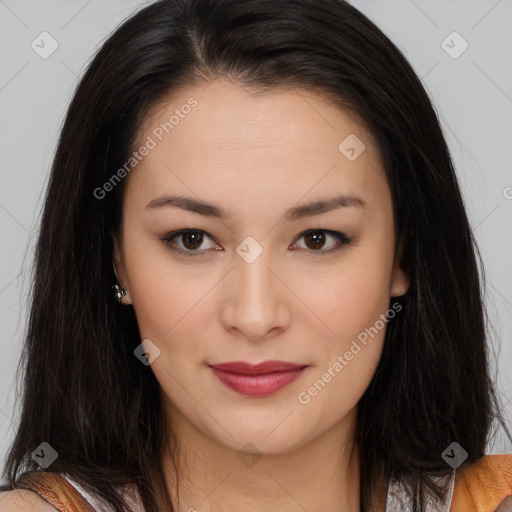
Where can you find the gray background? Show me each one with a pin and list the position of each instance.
(472, 94)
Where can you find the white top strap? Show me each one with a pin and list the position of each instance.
(99, 505)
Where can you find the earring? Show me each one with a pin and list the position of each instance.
(119, 292)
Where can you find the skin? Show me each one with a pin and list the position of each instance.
(256, 156)
(23, 501)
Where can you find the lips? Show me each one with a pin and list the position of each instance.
(243, 368)
(257, 380)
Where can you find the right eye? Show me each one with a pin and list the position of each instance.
(191, 240)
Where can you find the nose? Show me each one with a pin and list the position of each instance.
(258, 304)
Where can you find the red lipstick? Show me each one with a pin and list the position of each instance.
(257, 380)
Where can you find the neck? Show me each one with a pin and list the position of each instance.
(321, 475)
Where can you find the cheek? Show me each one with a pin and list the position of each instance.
(355, 310)
(161, 293)
(350, 297)
(353, 304)
(332, 391)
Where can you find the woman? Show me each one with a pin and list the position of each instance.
(299, 322)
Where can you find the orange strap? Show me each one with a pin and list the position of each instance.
(54, 489)
(483, 485)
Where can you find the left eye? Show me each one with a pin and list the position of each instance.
(316, 239)
(191, 240)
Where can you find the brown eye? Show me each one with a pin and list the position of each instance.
(188, 242)
(192, 240)
(315, 239)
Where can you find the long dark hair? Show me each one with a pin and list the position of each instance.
(84, 391)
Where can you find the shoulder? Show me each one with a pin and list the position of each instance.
(482, 486)
(21, 500)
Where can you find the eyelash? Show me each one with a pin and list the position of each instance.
(341, 237)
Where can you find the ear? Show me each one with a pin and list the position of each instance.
(400, 280)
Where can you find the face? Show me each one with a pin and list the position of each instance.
(263, 274)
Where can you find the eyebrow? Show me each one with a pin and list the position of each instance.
(297, 212)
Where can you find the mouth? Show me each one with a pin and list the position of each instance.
(263, 379)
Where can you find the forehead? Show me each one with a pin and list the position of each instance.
(218, 138)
